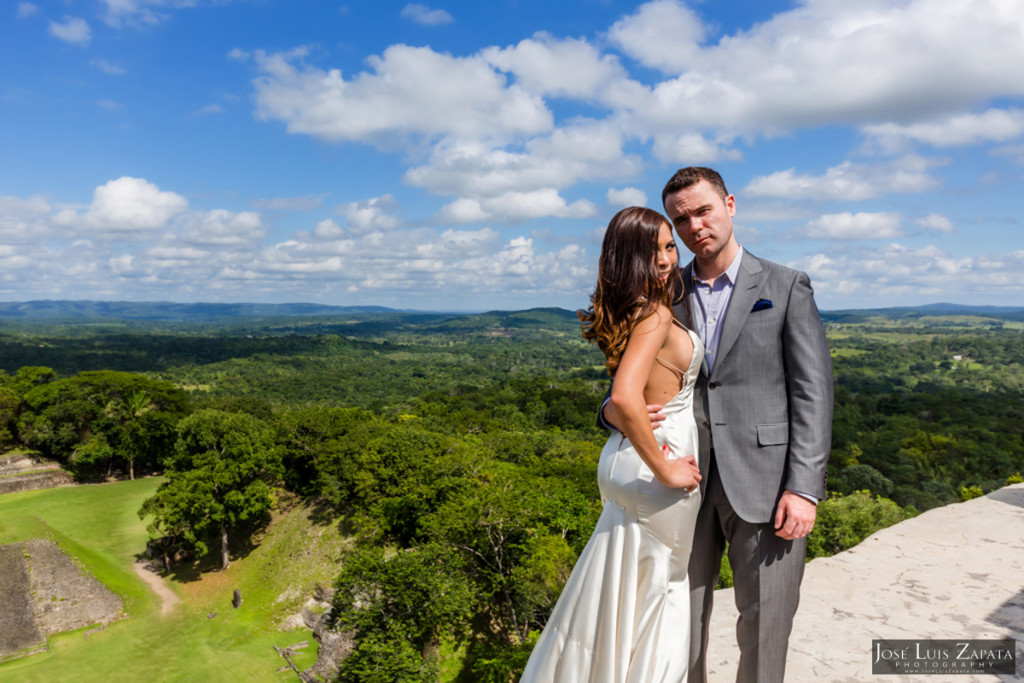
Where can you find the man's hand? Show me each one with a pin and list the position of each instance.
(611, 416)
(794, 518)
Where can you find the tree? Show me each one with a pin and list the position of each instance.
(126, 412)
(220, 478)
(845, 521)
(413, 598)
(10, 402)
(136, 414)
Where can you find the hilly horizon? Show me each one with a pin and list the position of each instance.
(170, 311)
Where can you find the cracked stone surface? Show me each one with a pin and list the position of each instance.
(950, 573)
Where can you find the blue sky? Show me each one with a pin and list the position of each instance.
(468, 155)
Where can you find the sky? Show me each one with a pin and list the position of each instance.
(468, 155)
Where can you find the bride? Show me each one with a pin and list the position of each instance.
(623, 616)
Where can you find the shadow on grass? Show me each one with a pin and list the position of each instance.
(324, 513)
(187, 569)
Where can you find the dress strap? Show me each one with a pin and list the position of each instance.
(680, 374)
(675, 371)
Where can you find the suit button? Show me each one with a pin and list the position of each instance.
(712, 385)
(706, 424)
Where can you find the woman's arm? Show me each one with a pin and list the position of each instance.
(630, 406)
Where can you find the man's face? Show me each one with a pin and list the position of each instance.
(702, 219)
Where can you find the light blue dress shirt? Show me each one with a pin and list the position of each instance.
(712, 303)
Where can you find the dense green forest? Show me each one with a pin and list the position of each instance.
(460, 451)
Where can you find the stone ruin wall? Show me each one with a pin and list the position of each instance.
(42, 591)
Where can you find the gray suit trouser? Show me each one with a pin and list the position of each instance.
(767, 571)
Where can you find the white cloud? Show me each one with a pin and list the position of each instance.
(74, 30)
(415, 263)
(849, 181)
(371, 214)
(664, 34)
(125, 205)
(421, 14)
(208, 109)
(514, 207)
(691, 149)
(27, 9)
(1015, 152)
(328, 230)
(937, 222)
(854, 226)
(570, 68)
(459, 244)
(994, 125)
(162, 250)
(109, 105)
(836, 62)
(627, 196)
(23, 220)
(411, 91)
(874, 277)
(462, 211)
(223, 228)
(108, 68)
(138, 13)
(879, 65)
(307, 202)
(585, 150)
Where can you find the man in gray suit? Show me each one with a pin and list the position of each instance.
(763, 406)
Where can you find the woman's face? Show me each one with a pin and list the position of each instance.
(666, 258)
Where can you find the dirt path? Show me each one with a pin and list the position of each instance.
(169, 597)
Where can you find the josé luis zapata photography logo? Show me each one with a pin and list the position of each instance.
(944, 656)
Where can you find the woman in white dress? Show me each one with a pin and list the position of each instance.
(624, 615)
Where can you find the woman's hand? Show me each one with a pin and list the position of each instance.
(678, 473)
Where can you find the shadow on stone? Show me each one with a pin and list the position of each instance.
(1010, 494)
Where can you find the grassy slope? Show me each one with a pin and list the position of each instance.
(98, 526)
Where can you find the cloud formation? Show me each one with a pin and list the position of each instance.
(109, 68)
(849, 181)
(879, 276)
(135, 236)
(627, 196)
(995, 125)
(125, 205)
(854, 226)
(882, 66)
(410, 91)
(73, 30)
(421, 14)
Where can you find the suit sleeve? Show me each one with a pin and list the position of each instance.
(809, 388)
(601, 422)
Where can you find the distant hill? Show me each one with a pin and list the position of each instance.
(167, 311)
(70, 311)
(854, 315)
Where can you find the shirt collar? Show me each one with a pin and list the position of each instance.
(730, 273)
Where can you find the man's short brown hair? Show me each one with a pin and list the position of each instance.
(691, 175)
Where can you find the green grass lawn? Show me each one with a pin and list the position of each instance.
(98, 526)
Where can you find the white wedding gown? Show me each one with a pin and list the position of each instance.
(624, 614)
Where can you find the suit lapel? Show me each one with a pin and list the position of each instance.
(748, 283)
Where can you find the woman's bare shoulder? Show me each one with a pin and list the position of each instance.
(659, 319)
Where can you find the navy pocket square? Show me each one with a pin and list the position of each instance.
(761, 305)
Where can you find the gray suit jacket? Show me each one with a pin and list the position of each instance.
(766, 408)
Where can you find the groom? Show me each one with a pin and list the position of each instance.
(763, 406)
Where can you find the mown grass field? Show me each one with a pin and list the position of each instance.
(98, 526)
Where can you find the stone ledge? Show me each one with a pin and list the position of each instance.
(950, 573)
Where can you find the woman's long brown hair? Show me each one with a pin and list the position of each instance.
(629, 288)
